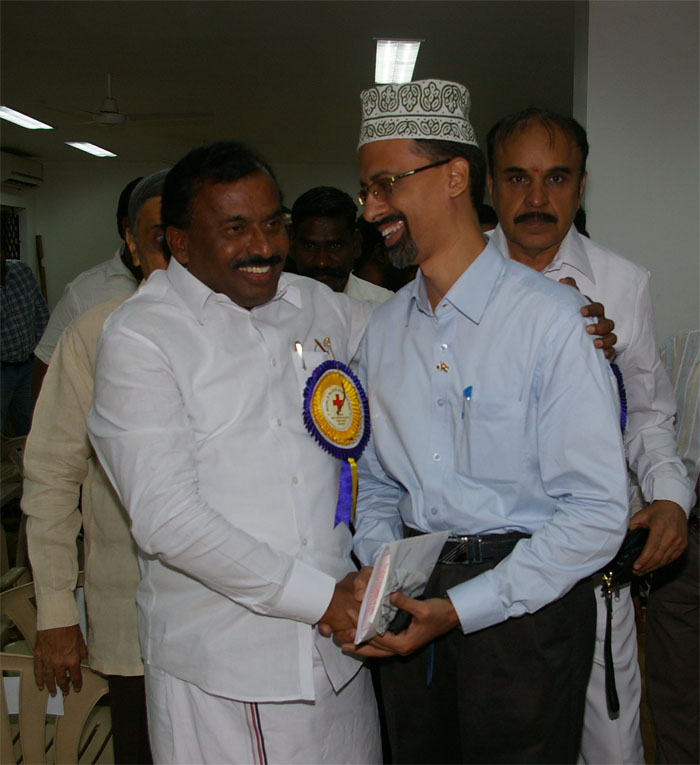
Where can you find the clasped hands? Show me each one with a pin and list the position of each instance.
(431, 618)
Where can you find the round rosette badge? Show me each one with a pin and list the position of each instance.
(336, 414)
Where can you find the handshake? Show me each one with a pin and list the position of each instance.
(402, 565)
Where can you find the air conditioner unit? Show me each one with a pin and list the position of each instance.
(20, 173)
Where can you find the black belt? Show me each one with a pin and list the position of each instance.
(476, 548)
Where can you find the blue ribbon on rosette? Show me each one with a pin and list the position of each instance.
(345, 434)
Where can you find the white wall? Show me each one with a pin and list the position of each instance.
(76, 216)
(296, 179)
(641, 114)
(75, 210)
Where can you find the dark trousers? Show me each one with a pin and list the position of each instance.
(127, 699)
(16, 396)
(513, 692)
(672, 673)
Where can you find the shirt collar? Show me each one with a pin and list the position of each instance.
(196, 294)
(116, 267)
(470, 294)
(570, 252)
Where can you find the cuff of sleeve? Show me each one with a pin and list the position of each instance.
(56, 610)
(42, 355)
(306, 595)
(674, 490)
(477, 603)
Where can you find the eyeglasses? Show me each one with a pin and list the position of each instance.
(382, 188)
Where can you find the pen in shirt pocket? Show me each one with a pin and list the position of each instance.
(466, 396)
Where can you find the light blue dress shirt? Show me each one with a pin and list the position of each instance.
(493, 413)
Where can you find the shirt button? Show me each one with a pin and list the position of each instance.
(304, 542)
(444, 346)
(436, 457)
(274, 362)
(279, 422)
(295, 480)
(433, 511)
(441, 402)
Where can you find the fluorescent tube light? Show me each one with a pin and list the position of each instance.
(90, 148)
(395, 60)
(22, 119)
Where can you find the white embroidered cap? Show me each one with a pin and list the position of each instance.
(430, 109)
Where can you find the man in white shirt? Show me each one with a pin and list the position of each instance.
(537, 177)
(672, 671)
(117, 276)
(197, 418)
(326, 243)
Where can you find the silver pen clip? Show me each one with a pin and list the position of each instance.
(299, 348)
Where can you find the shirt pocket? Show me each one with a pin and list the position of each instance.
(304, 370)
(491, 439)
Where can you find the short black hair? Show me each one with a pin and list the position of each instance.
(519, 121)
(123, 205)
(437, 150)
(324, 202)
(221, 162)
(487, 215)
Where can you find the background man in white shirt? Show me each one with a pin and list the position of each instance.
(198, 420)
(537, 177)
(672, 661)
(117, 276)
(326, 242)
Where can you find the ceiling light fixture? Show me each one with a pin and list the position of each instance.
(22, 119)
(90, 148)
(395, 60)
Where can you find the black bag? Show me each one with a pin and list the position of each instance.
(616, 574)
(619, 570)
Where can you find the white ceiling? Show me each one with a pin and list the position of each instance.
(283, 76)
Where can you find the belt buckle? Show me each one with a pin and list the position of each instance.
(476, 558)
(468, 550)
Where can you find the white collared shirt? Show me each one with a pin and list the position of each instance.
(97, 284)
(361, 289)
(197, 419)
(623, 288)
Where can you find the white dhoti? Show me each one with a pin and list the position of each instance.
(188, 725)
(604, 740)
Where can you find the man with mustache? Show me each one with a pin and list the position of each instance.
(326, 243)
(231, 500)
(486, 395)
(537, 177)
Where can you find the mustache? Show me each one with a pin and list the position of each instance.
(542, 217)
(258, 260)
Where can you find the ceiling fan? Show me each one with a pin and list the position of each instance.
(109, 114)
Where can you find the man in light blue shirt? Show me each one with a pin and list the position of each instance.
(494, 418)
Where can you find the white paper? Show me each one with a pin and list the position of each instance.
(54, 704)
(403, 565)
